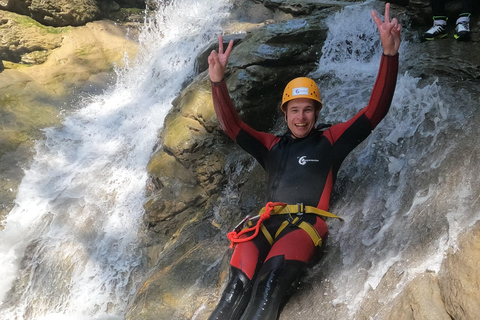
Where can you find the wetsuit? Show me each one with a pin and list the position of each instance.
(438, 7)
(300, 170)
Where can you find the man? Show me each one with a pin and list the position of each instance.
(302, 166)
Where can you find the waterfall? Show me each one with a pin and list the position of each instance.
(408, 191)
(69, 248)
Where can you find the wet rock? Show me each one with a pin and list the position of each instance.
(299, 7)
(60, 13)
(188, 266)
(22, 39)
(57, 13)
(459, 278)
(421, 299)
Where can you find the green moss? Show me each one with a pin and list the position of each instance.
(29, 22)
(21, 121)
(15, 66)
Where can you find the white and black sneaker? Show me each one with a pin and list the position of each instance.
(462, 30)
(438, 31)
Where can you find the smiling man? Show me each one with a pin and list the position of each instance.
(304, 103)
(302, 167)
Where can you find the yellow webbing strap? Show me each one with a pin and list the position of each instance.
(265, 232)
(312, 232)
(296, 208)
(282, 226)
(305, 226)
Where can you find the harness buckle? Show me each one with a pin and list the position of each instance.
(301, 209)
(294, 221)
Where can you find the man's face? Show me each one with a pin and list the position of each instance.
(301, 116)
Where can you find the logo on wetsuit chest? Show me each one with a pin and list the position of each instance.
(303, 160)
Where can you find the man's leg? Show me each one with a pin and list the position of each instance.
(438, 8)
(285, 263)
(439, 28)
(245, 264)
(462, 27)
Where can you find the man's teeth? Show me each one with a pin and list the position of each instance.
(300, 125)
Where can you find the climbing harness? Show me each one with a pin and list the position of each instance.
(294, 218)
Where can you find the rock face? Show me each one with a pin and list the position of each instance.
(202, 184)
(55, 13)
(60, 13)
(25, 41)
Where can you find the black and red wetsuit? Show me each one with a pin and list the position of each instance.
(300, 170)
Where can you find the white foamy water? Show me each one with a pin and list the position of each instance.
(69, 246)
(411, 206)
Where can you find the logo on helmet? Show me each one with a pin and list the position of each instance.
(301, 91)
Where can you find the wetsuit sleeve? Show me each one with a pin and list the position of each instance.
(370, 116)
(254, 142)
(383, 90)
(226, 113)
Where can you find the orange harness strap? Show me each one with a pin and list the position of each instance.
(234, 236)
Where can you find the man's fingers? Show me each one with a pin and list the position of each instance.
(229, 48)
(375, 17)
(395, 22)
(212, 57)
(387, 12)
(220, 44)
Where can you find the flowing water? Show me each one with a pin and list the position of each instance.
(69, 247)
(407, 192)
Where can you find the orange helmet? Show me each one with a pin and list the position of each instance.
(301, 88)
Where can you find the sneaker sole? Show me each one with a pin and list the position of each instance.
(461, 37)
(436, 37)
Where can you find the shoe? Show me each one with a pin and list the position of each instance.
(462, 30)
(438, 31)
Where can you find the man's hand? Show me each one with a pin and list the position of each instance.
(389, 32)
(217, 61)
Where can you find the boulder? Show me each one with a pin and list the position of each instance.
(421, 299)
(459, 278)
(23, 40)
(57, 13)
(300, 7)
(60, 13)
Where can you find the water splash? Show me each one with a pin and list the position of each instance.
(69, 246)
(414, 201)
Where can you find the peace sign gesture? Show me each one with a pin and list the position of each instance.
(389, 32)
(217, 61)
